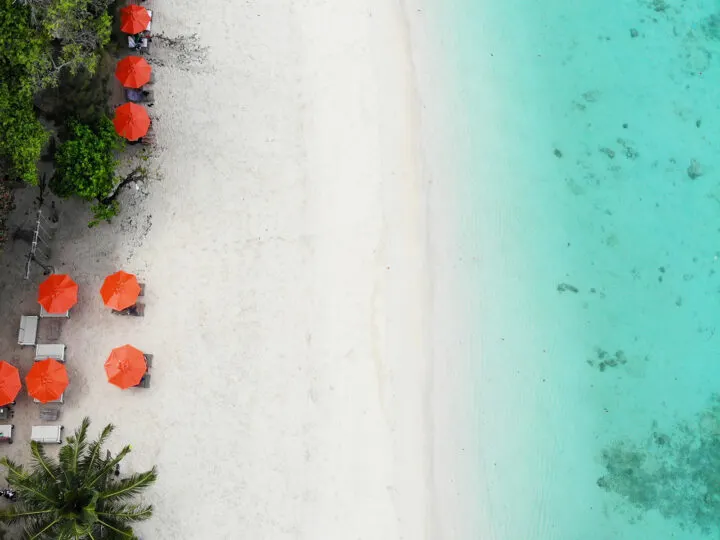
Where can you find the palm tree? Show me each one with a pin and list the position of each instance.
(78, 496)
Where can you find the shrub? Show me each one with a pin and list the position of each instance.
(104, 212)
(22, 137)
(85, 163)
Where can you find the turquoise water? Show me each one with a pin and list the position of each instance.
(587, 189)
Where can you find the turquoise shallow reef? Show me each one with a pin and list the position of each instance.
(587, 179)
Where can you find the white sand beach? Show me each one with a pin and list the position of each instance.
(283, 241)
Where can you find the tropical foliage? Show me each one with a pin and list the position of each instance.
(22, 137)
(24, 50)
(40, 42)
(23, 66)
(81, 97)
(82, 28)
(77, 496)
(104, 211)
(85, 163)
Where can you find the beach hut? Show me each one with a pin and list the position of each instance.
(9, 383)
(58, 293)
(47, 380)
(131, 121)
(133, 72)
(134, 19)
(120, 290)
(126, 366)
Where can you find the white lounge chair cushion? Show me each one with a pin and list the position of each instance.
(44, 314)
(46, 434)
(50, 350)
(27, 335)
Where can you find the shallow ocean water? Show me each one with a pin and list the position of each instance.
(586, 144)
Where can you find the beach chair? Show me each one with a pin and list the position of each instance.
(143, 46)
(49, 414)
(6, 431)
(50, 350)
(27, 335)
(142, 289)
(144, 382)
(133, 94)
(46, 434)
(44, 314)
(137, 310)
(148, 359)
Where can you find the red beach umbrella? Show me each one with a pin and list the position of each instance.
(131, 121)
(58, 293)
(47, 380)
(9, 383)
(120, 290)
(125, 366)
(134, 19)
(133, 71)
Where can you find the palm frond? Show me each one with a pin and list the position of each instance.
(77, 495)
(127, 513)
(35, 493)
(95, 449)
(131, 486)
(41, 462)
(41, 529)
(108, 467)
(15, 471)
(15, 514)
(73, 449)
(124, 532)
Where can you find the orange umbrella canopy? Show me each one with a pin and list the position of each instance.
(58, 293)
(133, 71)
(9, 383)
(47, 380)
(131, 121)
(125, 366)
(134, 19)
(120, 290)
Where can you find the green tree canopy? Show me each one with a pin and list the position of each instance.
(22, 137)
(24, 65)
(85, 163)
(39, 41)
(82, 28)
(25, 53)
(76, 496)
(82, 97)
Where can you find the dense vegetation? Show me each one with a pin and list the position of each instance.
(54, 73)
(85, 163)
(78, 495)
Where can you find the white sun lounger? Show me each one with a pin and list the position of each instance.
(27, 335)
(45, 314)
(6, 432)
(47, 434)
(50, 350)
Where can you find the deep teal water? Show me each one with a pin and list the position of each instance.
(587, 151)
